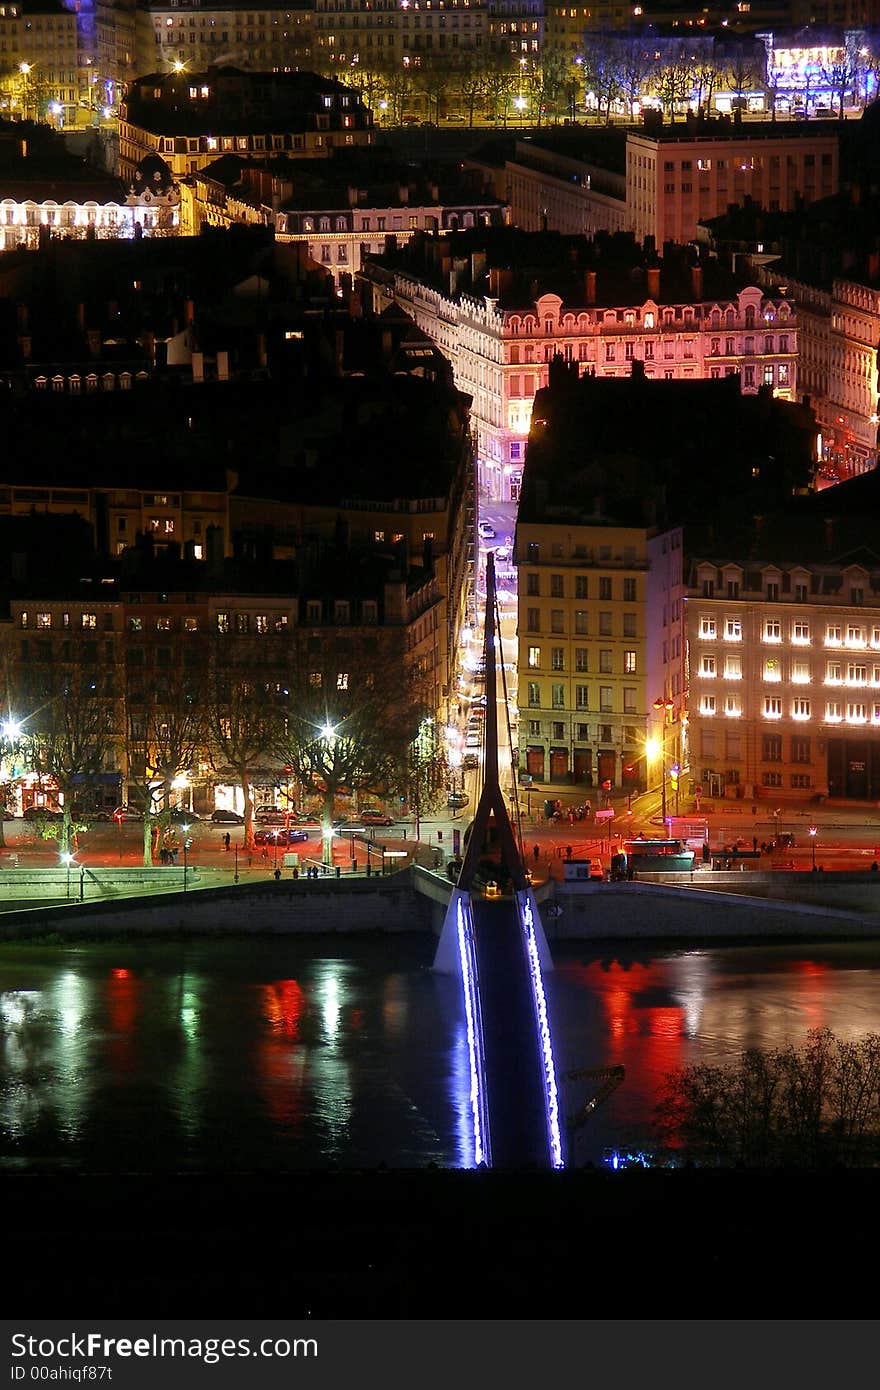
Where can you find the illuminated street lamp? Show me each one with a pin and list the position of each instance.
(67, 860)
(664, 708)
(814, 830)
(185, 829)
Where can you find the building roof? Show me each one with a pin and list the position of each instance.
(236, 102)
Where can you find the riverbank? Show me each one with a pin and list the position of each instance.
(801, 906)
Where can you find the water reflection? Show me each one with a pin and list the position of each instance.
(267, 1054)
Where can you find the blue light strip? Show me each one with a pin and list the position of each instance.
(551, 1098)
(474, 1034)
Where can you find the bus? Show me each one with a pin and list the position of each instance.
(659, 856)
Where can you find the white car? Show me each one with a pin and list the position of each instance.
(485, 531)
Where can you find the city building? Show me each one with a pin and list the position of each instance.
(62, 197)
(784, 655)
(44, 75)
(393, 32)
(501, 304)
(341, 211)
(662, 180)
(680, 176)
(263, 37)
(189, 118)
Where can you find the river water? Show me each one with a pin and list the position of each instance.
(296, 1053)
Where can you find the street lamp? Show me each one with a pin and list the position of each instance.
(185, 829)
(814, 829)
(67, 860)
(664, 708)
(275, 838)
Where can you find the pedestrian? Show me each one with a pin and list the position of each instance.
(568, 851)
(754, 844)
(295, 871)
(264, 855)
(227, 840)
(536, 852)
(588, 807)
(277, 875)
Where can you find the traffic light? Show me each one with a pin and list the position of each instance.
(673, 776)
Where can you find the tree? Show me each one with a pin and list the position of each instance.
(808, 1106)
(243, 709)
(634, 66)
(72, 735)
(399, 86)
(842, 73)
(501, 73)
(348, 729)
(165, 733)
(602, 73)
(673, 83)
(433, 79)
(471, 82)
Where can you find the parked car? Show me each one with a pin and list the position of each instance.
(279, 836)
(227, 818)
(41, 813)
(472, 739)
(270, 815)
(376, 818)
(127, 813)
(485, 531)
(180, 816)
(456, 800)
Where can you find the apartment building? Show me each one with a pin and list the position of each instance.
(189, 118)
(784, 666)
(385, 33)
(593, 602)
(501, 333)
(677, 178)
(342, 213)
(44, 73)
(257, 37)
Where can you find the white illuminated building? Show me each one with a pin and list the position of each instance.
(784, 663)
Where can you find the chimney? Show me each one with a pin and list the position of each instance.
(697, 282)
(198, 366)
(188, 312)
(590, 286)
(653, 274)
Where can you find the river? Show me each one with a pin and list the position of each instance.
(295, 1053)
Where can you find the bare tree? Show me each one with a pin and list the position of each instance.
(165, 734)
(434, 79)
(72, 734)
(501, 74)
(347, 730)
(634, 67)
(809, 1105)
(243, 711)
(673, 83)
(471, 82)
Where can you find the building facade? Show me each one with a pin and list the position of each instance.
(502, 355)
(784, 665)
(600, 639)
(674, 180)
(260, 37)
(189, 118)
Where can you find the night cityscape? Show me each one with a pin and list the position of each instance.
(440, 638)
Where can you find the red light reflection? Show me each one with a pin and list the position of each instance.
(280, 1060)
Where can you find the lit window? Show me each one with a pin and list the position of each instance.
(261, 623)
(223, 622)
(855, 635)
(772, 670)
(316, 679)
(629, 663)
(800, 708)
(856, 675)
(800, 673)
(733, 668)
(800, 634)
(833, 712)
(772, 630)
(342, 680)
(772, 707)
(44, 620)
(534, 656)
(89, 620)
(733, 630)
(732, 706)
(190, 624)
(856, 713)
(833, 635)
(833, 672)
(707, 627)
(707, 665)
(707, 704)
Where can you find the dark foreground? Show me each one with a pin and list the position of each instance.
(442, 1244)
